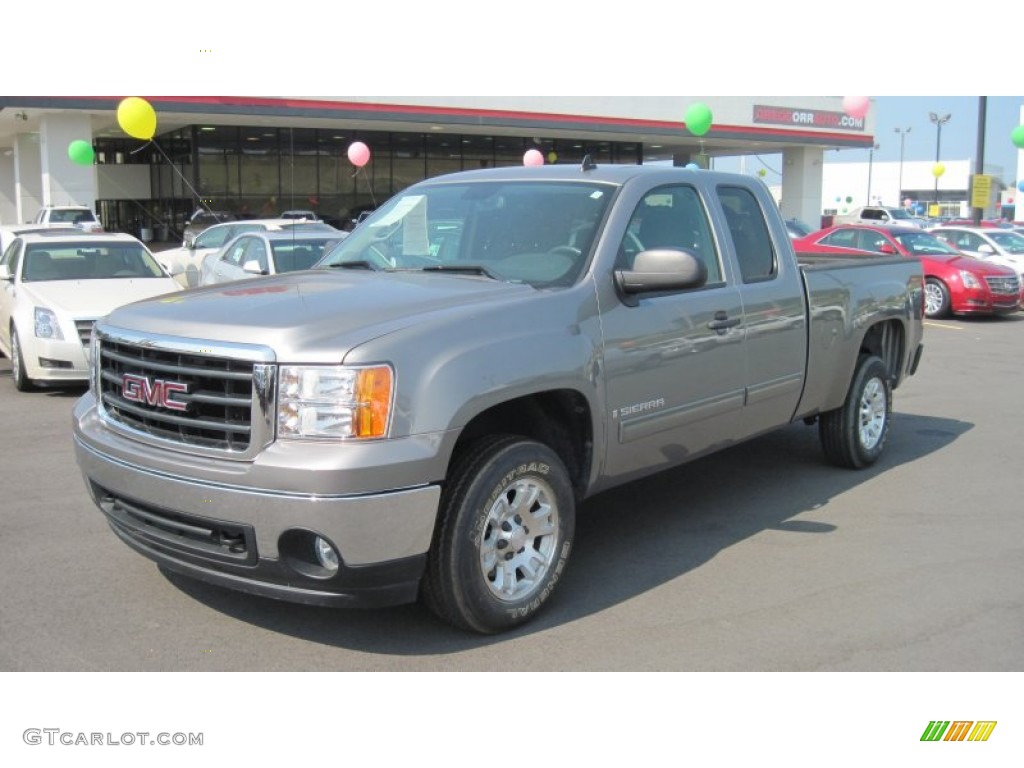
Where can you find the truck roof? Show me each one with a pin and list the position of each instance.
(609, 173)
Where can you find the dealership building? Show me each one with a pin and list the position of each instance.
(260, 156)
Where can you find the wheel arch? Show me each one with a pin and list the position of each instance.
(887, 340)
(559, 418)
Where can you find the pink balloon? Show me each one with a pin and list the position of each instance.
(856, 106)
(533, 157)
(358, 154)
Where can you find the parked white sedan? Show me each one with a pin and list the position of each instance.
(185, 263)
(267, 253)
(993, 244)
(54, 286)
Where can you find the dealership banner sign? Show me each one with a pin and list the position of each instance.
(806, 118)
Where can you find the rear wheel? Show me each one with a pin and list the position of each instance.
(503, 535)
(854, 435)
(936, 298)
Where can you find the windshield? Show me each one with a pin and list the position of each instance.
(1011, 242)
(71, 216)
(298, 254)
(87, 261)
(902, 215)
(536, 232)
(798, 228)
(920, 243)
(308, 226)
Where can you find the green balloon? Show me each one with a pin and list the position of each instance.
(1018, 137)
(698, 119)
(81, 152)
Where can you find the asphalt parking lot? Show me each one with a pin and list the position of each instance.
(760, 558)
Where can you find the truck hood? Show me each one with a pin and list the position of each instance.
(96, 298)
(315, 316)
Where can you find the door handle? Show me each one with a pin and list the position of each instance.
(723, 322)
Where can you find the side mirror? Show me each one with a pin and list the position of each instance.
(662, 269)
(189, 242)
(887, 249)
(987, 249)
(253, 268)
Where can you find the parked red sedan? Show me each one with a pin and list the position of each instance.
(954, 283)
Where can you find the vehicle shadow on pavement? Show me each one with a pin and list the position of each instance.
(629, 540)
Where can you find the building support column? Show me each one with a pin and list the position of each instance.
(63, 181)
(28, 182)
(802, 184)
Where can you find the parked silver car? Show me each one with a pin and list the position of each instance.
(185, 263)
(267, 253)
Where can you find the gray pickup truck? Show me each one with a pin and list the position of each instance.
(420, 415)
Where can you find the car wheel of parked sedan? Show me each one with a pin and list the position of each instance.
(22, 382)
(503, 535)
(936, 298)
(854, 435)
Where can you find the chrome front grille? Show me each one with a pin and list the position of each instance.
(1003, 286)
(199, 398)
(84, 328)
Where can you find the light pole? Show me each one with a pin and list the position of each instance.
(903, 135)
(939, 121)
(871, 157)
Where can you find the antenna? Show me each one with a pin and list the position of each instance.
(588, 164)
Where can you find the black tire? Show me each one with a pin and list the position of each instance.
(854, 435)
(936, 298)
(22, 382)
(486, 572)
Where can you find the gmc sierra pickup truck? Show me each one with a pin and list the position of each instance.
(420, 415)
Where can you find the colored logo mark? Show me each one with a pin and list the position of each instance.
(958, 730)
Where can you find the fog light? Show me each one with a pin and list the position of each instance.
(326, 554)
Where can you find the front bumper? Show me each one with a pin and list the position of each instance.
(982, 302)
(255, 539)
(50, 361)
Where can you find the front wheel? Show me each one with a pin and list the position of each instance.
(936, 298)
(854, 435)
(503, 535)
(22, 382)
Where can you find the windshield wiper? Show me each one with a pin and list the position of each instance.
(358, 264)
(466, 269)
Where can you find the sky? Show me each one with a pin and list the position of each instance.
(959, 135)
(958, 142)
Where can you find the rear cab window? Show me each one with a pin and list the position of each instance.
(748, 229)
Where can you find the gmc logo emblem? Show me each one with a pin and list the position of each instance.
(142, 389)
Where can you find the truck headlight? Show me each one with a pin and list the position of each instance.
(970, 281)
(47, 326)
(334, 401)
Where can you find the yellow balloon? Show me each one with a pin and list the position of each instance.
(938, 170)
(136, 118)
